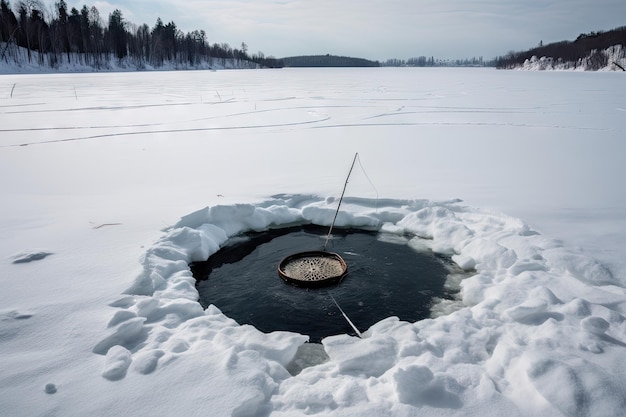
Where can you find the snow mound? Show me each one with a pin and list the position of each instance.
(29, 255)
(541, 330)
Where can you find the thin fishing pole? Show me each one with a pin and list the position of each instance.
(340, 199)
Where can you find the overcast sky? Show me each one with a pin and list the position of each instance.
(377, 29)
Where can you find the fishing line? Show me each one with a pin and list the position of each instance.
(346, 316)
(369, 180)
(356, 157)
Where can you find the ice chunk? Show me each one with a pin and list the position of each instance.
(416, 385)
(532, 312)
(466, 263)
(371, 356)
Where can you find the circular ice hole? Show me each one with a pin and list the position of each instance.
(385, 278)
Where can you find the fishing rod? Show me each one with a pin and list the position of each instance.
(356, 155)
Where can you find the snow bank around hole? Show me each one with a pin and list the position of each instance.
(542, 330)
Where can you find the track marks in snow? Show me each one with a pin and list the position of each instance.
(101, 108)
(247, 122)
(152, 132)
(12, 106)
(469, 124)
(402, 111)
(309, 110)
(49, 129)
(277, 116)
(280, 99)
(106, 225)
(299, 123)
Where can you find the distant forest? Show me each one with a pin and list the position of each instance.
(82, 35)
(342, 61)
(422, 61)
(327, 61)
(587, 46)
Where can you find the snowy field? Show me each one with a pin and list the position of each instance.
(112, 182)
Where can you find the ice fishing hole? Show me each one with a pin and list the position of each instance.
(386, 277)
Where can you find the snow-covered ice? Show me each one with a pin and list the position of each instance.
(112, 183)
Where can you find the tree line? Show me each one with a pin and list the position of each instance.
(587, 46)
(422, 61)
(82, 35)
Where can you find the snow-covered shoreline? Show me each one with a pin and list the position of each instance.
(100, 170)
(614, 56)
(39, 63)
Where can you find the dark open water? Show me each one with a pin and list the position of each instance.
(384, 279)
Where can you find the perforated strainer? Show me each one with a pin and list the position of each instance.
(313, 269)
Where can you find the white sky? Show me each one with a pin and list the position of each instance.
(377, 29)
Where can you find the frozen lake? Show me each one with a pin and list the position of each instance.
(97, 169)
(542, 146)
